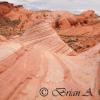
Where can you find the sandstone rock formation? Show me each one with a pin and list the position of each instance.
(88, 14)
(39, 58)
(2, 38)
(6, 7)
(62, 20)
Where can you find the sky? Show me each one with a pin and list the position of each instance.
(69, 5)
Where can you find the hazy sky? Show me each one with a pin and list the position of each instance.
(70, 5)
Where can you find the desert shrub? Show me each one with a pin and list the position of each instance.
(5, 32)
(72, 39)
(8, 26)
(8, 32)
(4, 21)
(14, 23)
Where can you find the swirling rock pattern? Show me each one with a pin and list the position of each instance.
(39, 58)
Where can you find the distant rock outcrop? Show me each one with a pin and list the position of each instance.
(6, 7)
(88, 14)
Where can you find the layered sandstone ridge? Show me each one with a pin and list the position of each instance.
(39, 58)
(34, 55)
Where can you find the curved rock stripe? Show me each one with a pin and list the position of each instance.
(39, 59)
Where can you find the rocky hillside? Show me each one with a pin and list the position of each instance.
(8, 26)
(61, 20)
(73, 29)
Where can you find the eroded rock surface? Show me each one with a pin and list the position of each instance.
(39, 58)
